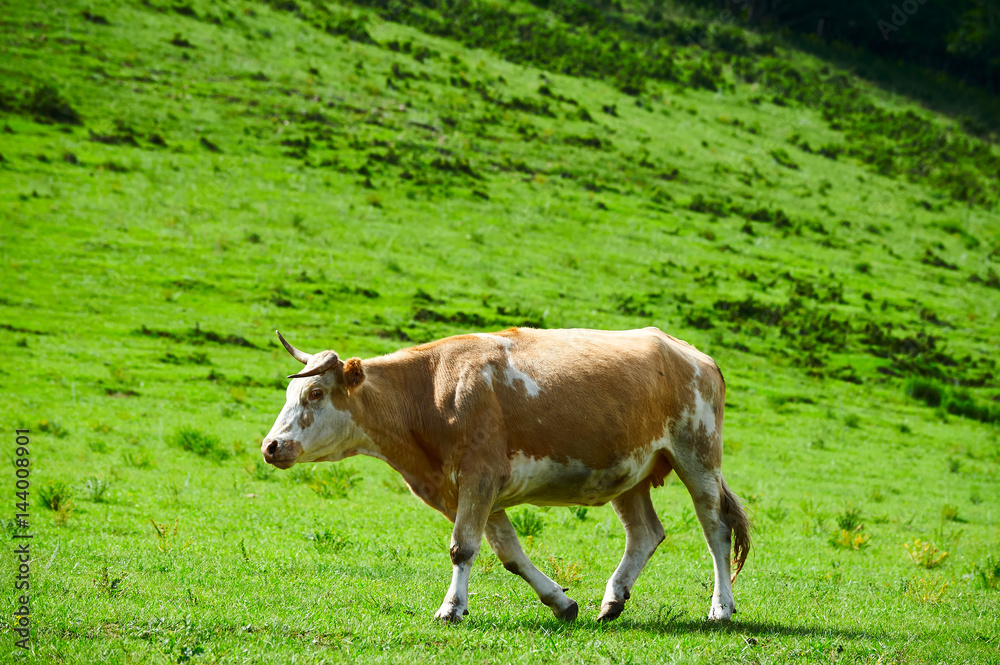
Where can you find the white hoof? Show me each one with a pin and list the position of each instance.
(721, 613)
(451, 613)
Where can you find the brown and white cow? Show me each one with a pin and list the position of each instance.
(482, 422)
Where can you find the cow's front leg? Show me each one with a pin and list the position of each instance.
(502, 537)
(470, 520)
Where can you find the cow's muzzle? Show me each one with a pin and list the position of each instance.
(281, 453)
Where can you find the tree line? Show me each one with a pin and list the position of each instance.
(961, 37)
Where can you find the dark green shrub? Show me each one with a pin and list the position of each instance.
(201, 444)
(956, 401)
(352, 27)
(781, 156)
(831, 150)
(55, 495)
(850, 518)
(961, 403)
(96, 19)
(180, 41)
(526, 522)
(988, 574)
(327, 539)
(729, 38)
(708, 206)
(8, 102)
(926, 391)
(47, 104)
(703, 77)
(53, 427)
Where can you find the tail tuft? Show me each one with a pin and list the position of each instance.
(736, 517)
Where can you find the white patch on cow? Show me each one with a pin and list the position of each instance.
(330, 435)
(545, 482)
(456, 601)
(664, 442)
(704, 414)
(528, 474)
(512, 374)
(487, 374)
(697, 367)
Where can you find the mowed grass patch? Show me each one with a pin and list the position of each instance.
(238, 169)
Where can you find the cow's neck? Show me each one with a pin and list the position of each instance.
(390, 418)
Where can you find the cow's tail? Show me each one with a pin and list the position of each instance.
(736, 517)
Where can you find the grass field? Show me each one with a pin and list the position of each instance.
(178, 180)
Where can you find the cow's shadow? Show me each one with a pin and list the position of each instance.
(745, 629)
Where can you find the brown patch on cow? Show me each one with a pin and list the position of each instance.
(354, 373)
(708, 449)
(305, 418)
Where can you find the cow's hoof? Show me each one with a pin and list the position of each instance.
(569, 613)
(611, 610)
(450, 614)
(721, 613)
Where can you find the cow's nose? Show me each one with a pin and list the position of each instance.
(281, 453)
(269, 450)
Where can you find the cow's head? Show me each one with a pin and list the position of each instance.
(315, 424)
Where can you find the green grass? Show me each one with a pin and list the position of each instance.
(363, 185)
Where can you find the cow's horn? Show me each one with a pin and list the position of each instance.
(328, 363)
(303, 358)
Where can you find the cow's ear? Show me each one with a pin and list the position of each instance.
(354, 373)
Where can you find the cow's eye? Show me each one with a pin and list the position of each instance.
(315, 394)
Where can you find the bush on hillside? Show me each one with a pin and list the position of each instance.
(45, 103)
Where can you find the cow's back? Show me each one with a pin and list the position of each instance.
(593, 396)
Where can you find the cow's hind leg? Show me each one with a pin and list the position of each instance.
(708, 505)
(643, 533)
(503, 539)
(721, 516)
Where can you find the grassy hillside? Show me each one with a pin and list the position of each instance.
(178, 180)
